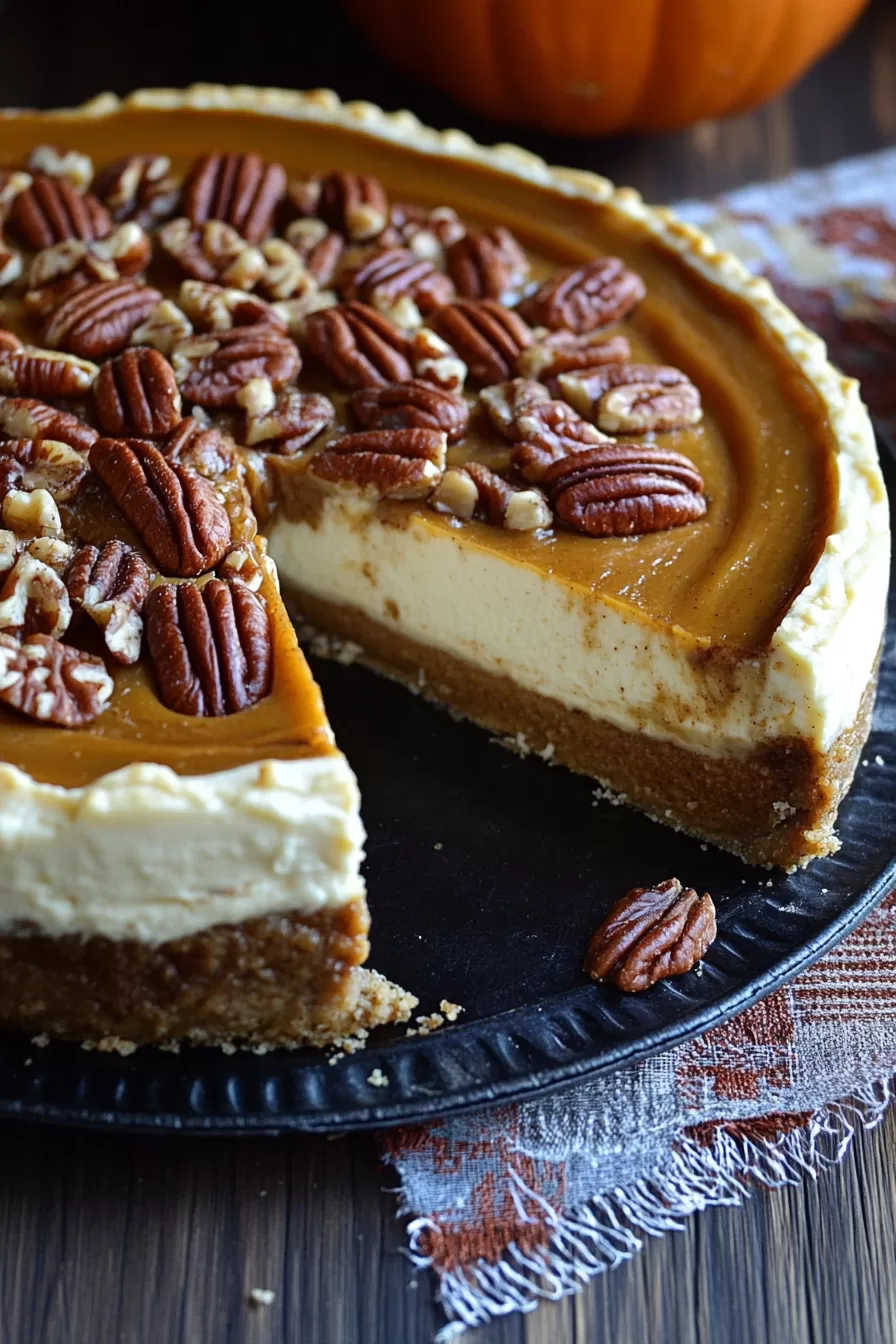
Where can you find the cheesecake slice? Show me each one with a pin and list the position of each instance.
(537, 449)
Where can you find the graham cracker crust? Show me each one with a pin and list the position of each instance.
(774, 805)
(281, 980)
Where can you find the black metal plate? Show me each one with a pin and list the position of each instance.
(486, 875)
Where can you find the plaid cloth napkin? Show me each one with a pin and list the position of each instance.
(528, 1202)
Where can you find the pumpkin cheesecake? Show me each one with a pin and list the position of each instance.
(529, 445)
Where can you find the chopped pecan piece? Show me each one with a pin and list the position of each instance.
(318, 247)
(624, 489)
(140, 188)
(382, 463)
(111, 587)
(286, 275)
(136, 395)
(164, 328)
(294, 312)
(30, 372)
(249, 564)
(398, 284)
(50, 210)
(353, 203)
(550, 431)
(412, 405)
(633, 398)
(216, 308)
(486, 336)
(488, 265)
(31, 513)
(435, 362)
(12, 184)
(652, 933)
(56, 161)
(284, 422)
(211, 369)
(176, 512)
(52, 551)
(210, 646)
(358, 346)
(98, 321)
(506, 402)
(208, 452)
(52, 682)
(213, 252)
(562, 351)
(41, 464)
(473, 491)
(27, 418)
(125, 252)
(586, 297)
(11, 264)
(239, 189)
(34, 600)
(427, 233)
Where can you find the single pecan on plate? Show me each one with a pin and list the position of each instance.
(587, 297)
(426, 232)
(319, 248)
(395, 282)
(213, 251)
(652, 933)
(474, 491)
(211, 369)
(176, 512)
(561, 351)
(285, 422)
(210, 646)
(487, 265)
(435, 362)
(139, 187)
(217, 308)
(34, 600)
(624, 489)
(242, 190)
(136, 395)
(28, 418)
(355, 204)
(98, 321)
(52, 682)
(42, 464)
(487, 336)
(412, 405)
(549, 431)
(358, 346)
(50, 211)
(633, 398)
(58, 161)
(164, 327)
(110, 585)
(506, 402)
(208, 452)
(382, 463)
(27, 371)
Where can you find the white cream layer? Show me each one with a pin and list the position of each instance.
(592, 654)
(148, 854)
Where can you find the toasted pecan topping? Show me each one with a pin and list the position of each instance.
(210, 646)
(428, 233)
(487, 265)
(623, 489)
(395, 282)
(550, 430)
(136, 395)
(111, 586)
(52, 682)
(652, 933)
(11, 264)
(561, 351)
(28, 418)
(139, 187)
(26, 371)
(487, 336)
(239, 189)
(41, 464)
(212, 251)
(164, 328)
(435, 362)
(217, 308)
(474, 491)
(176, 512)
(284, 422)
(382, 463)
(33, 600)
(585, 298)
(212, 369)
(633, 398)
(358, 346)
(355, 204)
(318, 248)
(98, 321)
(9, 340)
(208, 452)
(57, 161)
(506, 402)
(50, 210)
(412, 405)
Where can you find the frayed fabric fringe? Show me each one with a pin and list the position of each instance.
(610, 1229)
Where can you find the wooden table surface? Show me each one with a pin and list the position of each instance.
(133, 1240)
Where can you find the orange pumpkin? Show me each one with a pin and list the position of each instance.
(588, 67)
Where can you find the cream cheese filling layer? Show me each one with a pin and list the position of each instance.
(147, 854)
(588, 652)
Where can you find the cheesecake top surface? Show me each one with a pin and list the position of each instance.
(781, 445)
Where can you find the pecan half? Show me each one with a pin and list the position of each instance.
(210, 646)
(41, 464)
(216, 308)
(412, 405)
(176, 512)
(52, 682)
(506, 402)
(136, 395)
(488, 265)
(50, 210)
(623, 489)
(164, 328)
(56, 161)
(211, 369)
(208, 452)
(549, 431)
(111, 587)
(633, 398)
(284, 422)
(98, 321)
(319, 248)
(473, 491)
(435, 362)
(358, 346)
(353, 203)
(397, 283)
(487, 336)
(27, 418)
(561, 351)
(212, 251)
(382, 463)
(139, 187)
(34, 600)
(240, 189)
(652, 933)
(61, 271)
(585, 298)
(30, 372)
